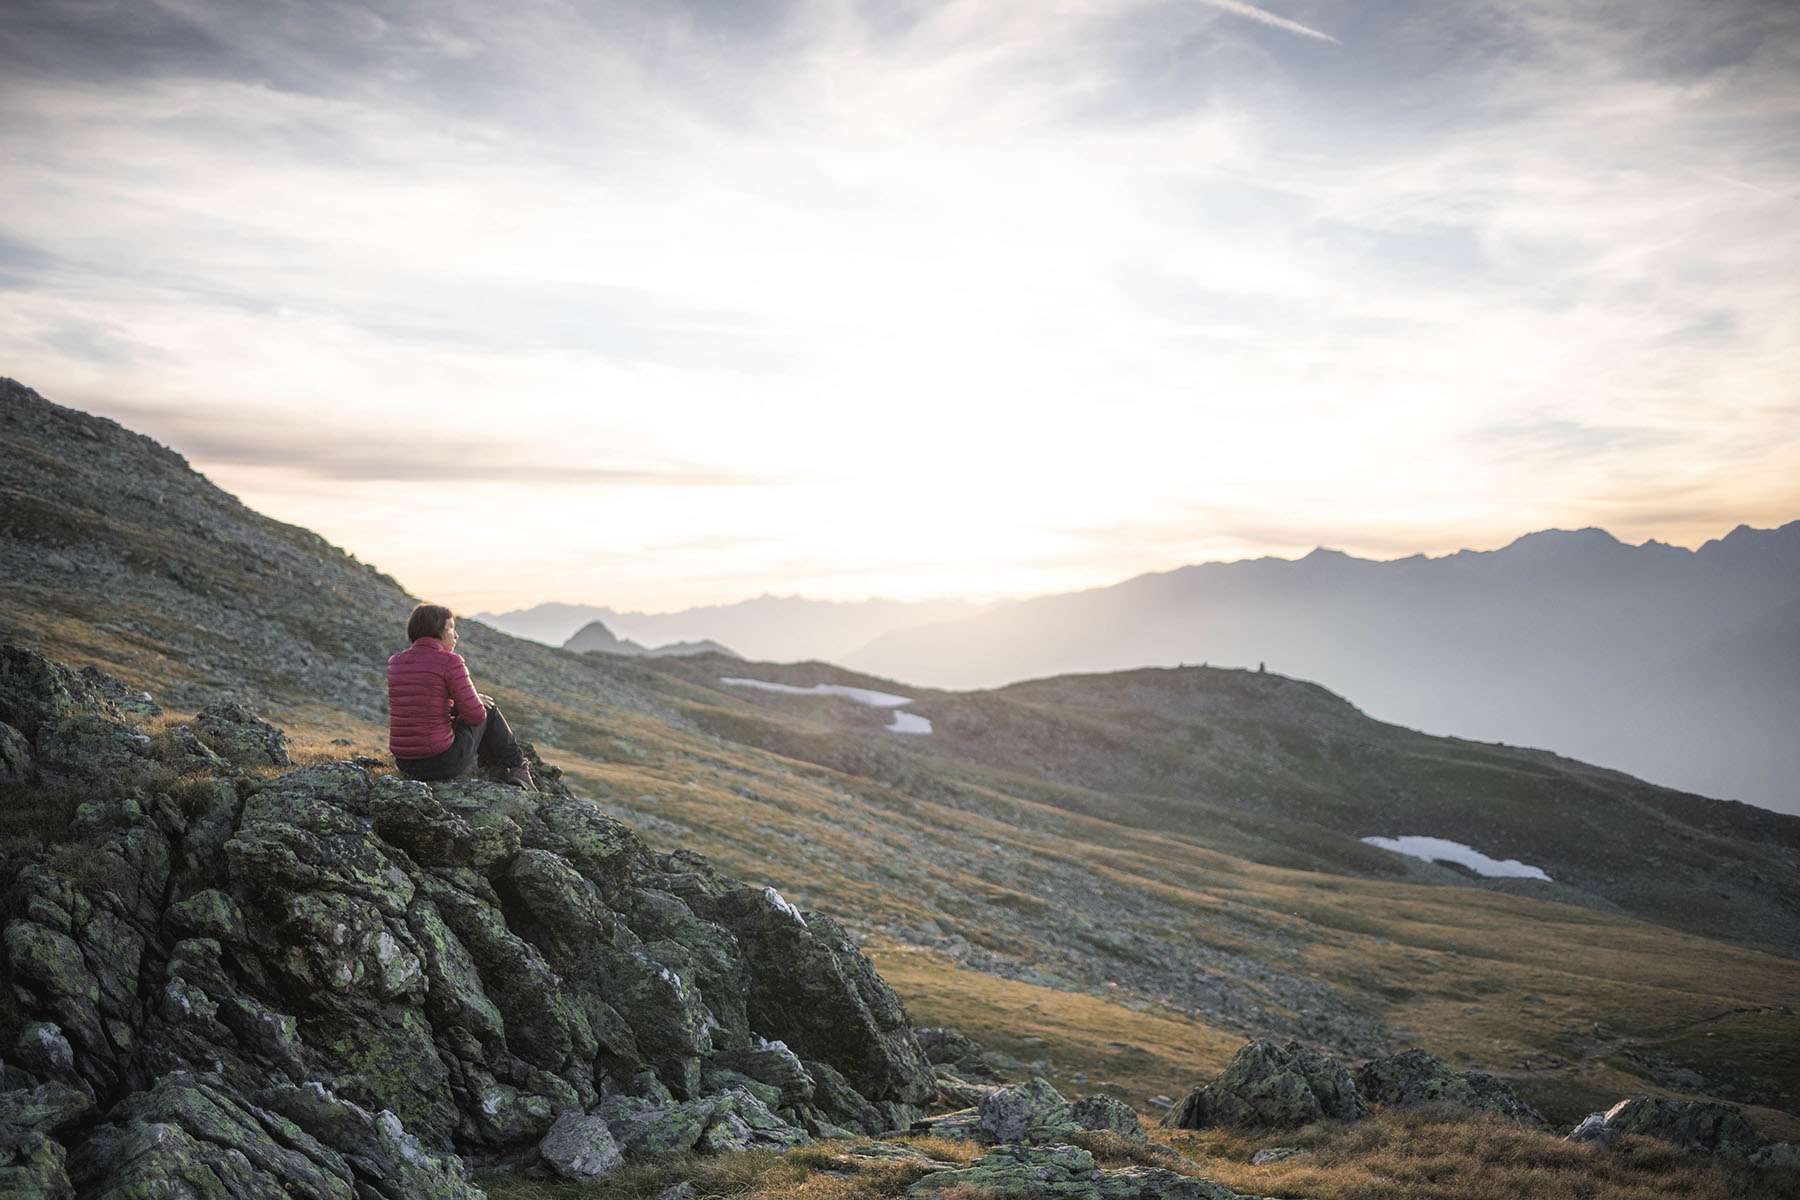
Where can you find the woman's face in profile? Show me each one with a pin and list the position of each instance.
(448, 637)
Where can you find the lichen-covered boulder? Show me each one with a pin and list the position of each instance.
(33, 1165)
(809, 986)
(1009, 1113)
(1104, 1114)
(239, 736)
(44, 1108)
(92, 749)
(580, 1148)
(1267, 1086)
(193, 1130)
(1704, 1126)
(773, 1065)
(35, 690)
(731, 1120)
(1036, 1172)
(15, 757)
(1414, 1077)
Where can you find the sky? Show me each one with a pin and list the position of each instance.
(669, 303)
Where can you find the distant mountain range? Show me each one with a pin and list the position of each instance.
(1677, 665)
(596, 636)
(767, 628)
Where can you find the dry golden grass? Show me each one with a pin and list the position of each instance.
(821, 1171)
(1141, 1053)
(1439, 1155)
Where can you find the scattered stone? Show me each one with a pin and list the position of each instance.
(1275, 1154)
(1060, 1170)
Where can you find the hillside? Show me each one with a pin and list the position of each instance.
(1571, 640)
(1114, 878)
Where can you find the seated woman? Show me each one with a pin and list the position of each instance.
(438, 724)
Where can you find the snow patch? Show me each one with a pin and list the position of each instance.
(1433, 849)
(873, 699)
(902, 723)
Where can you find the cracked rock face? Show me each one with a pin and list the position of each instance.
(331, 984)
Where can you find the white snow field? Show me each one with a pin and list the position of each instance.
(902, 723)
(1433, 849)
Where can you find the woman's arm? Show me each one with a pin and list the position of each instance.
(469, 708)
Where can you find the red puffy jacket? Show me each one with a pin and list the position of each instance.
(428, 690)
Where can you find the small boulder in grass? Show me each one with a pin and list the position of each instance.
(1008, 1114)
(1267, 1086)
(241, 736)
(1103, 1114)
(580, 1148)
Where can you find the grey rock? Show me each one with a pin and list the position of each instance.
(580, 1147)
(1703, 1126)
(809, 986)
(44, 1108)
(33, 1165)
(1414, 1077)
(239, 736)
(1059, 1170)
(1104, 1114)
(1009, 1113)
(1267, 1086)
(35, 690)
(15, 757)
(1275, 1154)
(771, 1063)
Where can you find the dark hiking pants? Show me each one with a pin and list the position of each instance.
(490, 743)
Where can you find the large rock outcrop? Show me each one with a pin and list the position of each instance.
(339, 983)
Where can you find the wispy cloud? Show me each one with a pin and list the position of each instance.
(1268, 18)
(928, 279)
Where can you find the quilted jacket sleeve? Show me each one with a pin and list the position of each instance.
(469, 709)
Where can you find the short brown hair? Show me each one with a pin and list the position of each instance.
(427, 620)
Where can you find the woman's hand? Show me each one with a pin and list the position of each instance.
(486, 699)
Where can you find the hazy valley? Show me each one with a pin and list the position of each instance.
(1678, 666)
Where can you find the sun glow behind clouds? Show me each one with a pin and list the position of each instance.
(987, 300)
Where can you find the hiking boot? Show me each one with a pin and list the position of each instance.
(519, 777)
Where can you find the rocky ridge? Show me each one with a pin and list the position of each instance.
(346, 983)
